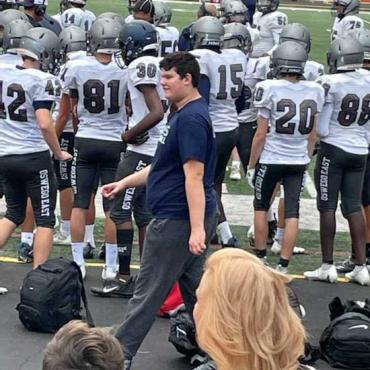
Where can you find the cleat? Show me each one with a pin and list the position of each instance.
(263, 260)
(25, 252)
(235, 172)
(276, 248)
(345, 266)
(233, 242)
(281, 269)
(101, 254)
(359, 275)
(116, 288)
(3, 290)
(88, 251)
(324, 273)
(109, 272)
(61, 239)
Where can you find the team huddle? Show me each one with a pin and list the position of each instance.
(91, 95)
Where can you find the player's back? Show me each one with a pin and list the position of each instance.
(12, 59)
(22, 90)
(349, 95)
(144, 71)
(292, 108)
(225, 71)
(313, 70)
(269, 26)
(168, 39)
(350, 24)
(102, 91)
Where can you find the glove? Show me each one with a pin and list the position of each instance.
(250, 177)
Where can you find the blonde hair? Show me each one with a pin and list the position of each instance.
(245, 320)
(77, 346)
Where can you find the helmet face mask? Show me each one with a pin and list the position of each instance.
(346, 7)
(162, 14)
(237, 36)
(267, 6)
(236, 12)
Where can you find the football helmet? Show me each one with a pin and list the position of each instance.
(119, 18)
(267, 6)
(71, 39)
(345, 54)
(13, 32)
(364, 39)
(39, 6)
(237, 36)
(207, 31)
(236, 11)
(162, 14)
(135, 38)
(296, 32)
(350, 7)
(289, 57)
(131, 4)
(223, 4)
(103, 35)
(7, 16)
(77, 2)
(8, 4)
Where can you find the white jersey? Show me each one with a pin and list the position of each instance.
(226, 73)
(313, 70)
(22, 90)
(129, 18)
(349, 96)
(256, 72)
(102, 89)
(291, 109)
(350, 24)
(144, 71)
(12, 59)
(269, 26)
(78, 17)
(168, 40)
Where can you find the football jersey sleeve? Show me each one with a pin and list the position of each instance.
(262, 96)
(144, 73)
(46, 89)
(68, 78)
(202, 61)
(324, 81)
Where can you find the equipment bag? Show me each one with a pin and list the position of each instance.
(51, 296)
(345, 343)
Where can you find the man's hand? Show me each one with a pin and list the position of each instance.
(250, 177)
(197, 241)
(111, 190)
(64, 156)
(137, 140)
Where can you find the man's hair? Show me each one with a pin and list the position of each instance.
(145, 6)
(76, 346)
(183, 63)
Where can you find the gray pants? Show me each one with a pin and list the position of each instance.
(166, 259)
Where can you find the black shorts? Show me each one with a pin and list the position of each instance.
(266, 178)
(63, 168)
(94, 160)
(245, 139)
(337, 172)
(366, 185)
(131, 200)
(29, 175)
(225, 143)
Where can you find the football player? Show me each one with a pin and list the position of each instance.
(6, 16)
(222, 76)
(283, 143)
(27, 135)
(347, 20)
(77, 15)
(142, 10)
(269, 22)
(139, 46)
(97, 89)
(168, 35)
(342, 156)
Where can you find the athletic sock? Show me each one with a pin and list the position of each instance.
(261, 253)
(279, 233)
(89, 235)
(235, 164)
(270, 215)
(65, 227)
(78, 252)
(27, 238)
(111, 253)
(225, 232)
(125, 239)
(283, 262)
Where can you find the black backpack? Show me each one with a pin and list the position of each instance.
(345, 343)
(51, 296)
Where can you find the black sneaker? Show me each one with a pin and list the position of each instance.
(233, 242)
(25, 252)
(89, 251)
(345, 266)
(101, 254)
(116, 288)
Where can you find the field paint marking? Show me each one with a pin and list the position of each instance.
(310, 186)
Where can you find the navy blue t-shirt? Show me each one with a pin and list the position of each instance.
(188, 135)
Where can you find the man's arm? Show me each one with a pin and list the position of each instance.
(73, 101)
(194, 188)
(45, 123)
(312, 138)
(154, 116)
(63, 115)
(258, 141)
(139, 178)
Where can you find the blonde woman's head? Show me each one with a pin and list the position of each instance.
(243, 317)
